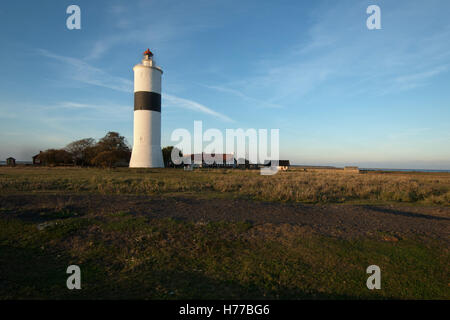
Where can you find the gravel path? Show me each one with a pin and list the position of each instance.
(345, 221)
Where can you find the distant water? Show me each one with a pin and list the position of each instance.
(405, 170)
(372, 169)
(2, 163)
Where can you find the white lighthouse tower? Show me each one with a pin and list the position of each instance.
(147, 115)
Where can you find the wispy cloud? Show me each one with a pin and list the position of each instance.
(135, 29)
(76, 105)
(129, 36)
(85, 111)
(98, 106)
(84, 72)
(192, 105)
(255, 102)
(340, 55)
(420, 77)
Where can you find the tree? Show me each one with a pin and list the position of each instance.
(55, 157)
(113, 141)
(82, 151)
(111, 150)
(167, 155)
(106, 159)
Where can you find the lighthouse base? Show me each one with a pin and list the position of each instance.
(146, 151)
(147, 158)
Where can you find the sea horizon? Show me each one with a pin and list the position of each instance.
(3, 163)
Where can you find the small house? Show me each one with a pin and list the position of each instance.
(209, 160)
(36, 159)
(11, 162)
(282, 165)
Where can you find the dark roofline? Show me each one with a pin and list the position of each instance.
(281, 163)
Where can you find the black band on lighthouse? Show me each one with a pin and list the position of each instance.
(144, 100)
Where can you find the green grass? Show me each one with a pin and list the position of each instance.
(326, 186)
(122, 256)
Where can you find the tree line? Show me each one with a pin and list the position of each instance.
(110, 151)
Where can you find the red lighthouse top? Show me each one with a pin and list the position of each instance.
(148, 53)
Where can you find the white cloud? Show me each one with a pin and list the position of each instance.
(255, 102)
(419, 77)
(192, 105)
(136, 29)
(76, 105)
(86, 73)
(340, 55)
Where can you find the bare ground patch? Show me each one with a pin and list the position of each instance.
(344, 221)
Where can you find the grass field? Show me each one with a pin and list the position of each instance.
(150, 234)
(315, 186)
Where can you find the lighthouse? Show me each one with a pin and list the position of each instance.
(147, 114)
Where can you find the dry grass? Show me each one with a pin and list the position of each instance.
(325, 186)
(124, 254)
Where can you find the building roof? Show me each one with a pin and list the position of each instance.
(225, 157)
(281, 163)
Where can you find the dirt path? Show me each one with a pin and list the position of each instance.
(345, 221)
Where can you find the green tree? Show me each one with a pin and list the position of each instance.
(81, 151)
(167, 155)
(113, 141)
(53, 157)
(106, 159)
(114, 146)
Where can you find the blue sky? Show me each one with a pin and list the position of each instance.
(339, 93)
